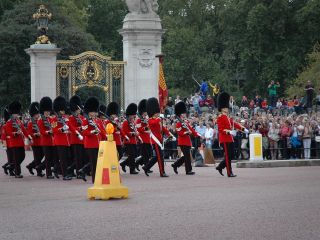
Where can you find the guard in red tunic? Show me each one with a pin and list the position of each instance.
(91, 134)
(34, 132)
(144, 132)
(46, 138)
(156, 132)
(76, 138)
(112, 117)
(131, 134)
(16, 133)
(9, 166)
(101, 120)
(226, 129)
(61, 130)
(184, 131)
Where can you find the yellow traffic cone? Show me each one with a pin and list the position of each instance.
(107, 182)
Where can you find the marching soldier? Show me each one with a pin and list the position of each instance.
(76, 138)
(46, 138)
(16, 132)
(112, 117)
(60, 130)
(131, 135)
(184, 131)
(156, 131)
(226, 129)
(91, 134)
(9, 166)
(144, 132)
(101, 120)
(34, 132)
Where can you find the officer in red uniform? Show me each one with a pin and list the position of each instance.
(130, 141)
(46, 138)
(91, 134)
(144, 132)
(112, 117)
(184, 131)
(156, 132)
(34, 132)
(9, 166)
(101, 121)
(16, 134)
(226, 129)
(61, 130)
(76, 138)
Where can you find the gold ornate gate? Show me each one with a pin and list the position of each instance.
(91, 69)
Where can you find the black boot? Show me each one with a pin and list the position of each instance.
(30, 168)
(18, 176)
(50, 177)
(123, 167)
(175, 169)
(164, 175)
(5, 168)
(55, 173)
(220, 171)
(82, 175)
(232, 175)
(133, 172)
(146, 171)
(190, 173)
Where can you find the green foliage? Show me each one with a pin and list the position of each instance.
(87, 92)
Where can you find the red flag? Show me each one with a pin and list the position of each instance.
(163, 90)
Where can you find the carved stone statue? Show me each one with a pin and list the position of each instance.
(143, 6)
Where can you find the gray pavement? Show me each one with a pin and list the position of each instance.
(266, 203)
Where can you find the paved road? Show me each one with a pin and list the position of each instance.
(277, 203)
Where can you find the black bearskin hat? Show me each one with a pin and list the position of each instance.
(180, 108)
(223, 100)
(45, 105)
(6, 114)
(142, 107)
(15, 107)
(75, 103)
(34, 108)
(91, 105)
(59, 104)
(113, 108)
(102, 110)
(153, 106)
(131, 109)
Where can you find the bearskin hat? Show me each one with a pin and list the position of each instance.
(34, 108)
(131, 109)
(223, 100)
(142, 107)
(75, 103)
(15, 107)
(59, 104)
(91, 105)
(113, 108)
(153, 106)
(180, 108)
(6, 114)
(45, 105)
(102, 110)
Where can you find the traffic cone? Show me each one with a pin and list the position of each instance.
(107, 182)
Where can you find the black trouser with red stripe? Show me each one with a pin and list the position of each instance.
(131, 150)
(92, 154)
(18, 157)
(51, 159)
(78, 156)
(37, 156)
(158, 157)
(64, 157)
(120, 151)
(10, 163)
(228, 149)
(186, 159)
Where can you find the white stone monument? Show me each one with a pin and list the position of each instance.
(142, 34)
(43, 70)
(256, 151)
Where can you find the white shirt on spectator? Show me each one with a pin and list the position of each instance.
(201, 130)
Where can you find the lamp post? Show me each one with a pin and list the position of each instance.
(42, 17)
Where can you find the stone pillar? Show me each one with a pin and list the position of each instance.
(142, 35)
(43, 70)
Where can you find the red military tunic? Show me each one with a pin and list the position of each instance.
(226, 124)
(117, 132)
(183, 136)
(75, 125)
(157, 129)
(101, 124)
(34, 131)
(16, 140)
(90, 139)
(60, 136)
(144, 131)
(129, 133)
(46, 138)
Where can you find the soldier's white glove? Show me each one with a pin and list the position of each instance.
(246, 131)
(173, 138)
(128, 139)
(233, 133)
(65, 128)
(80, 137)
